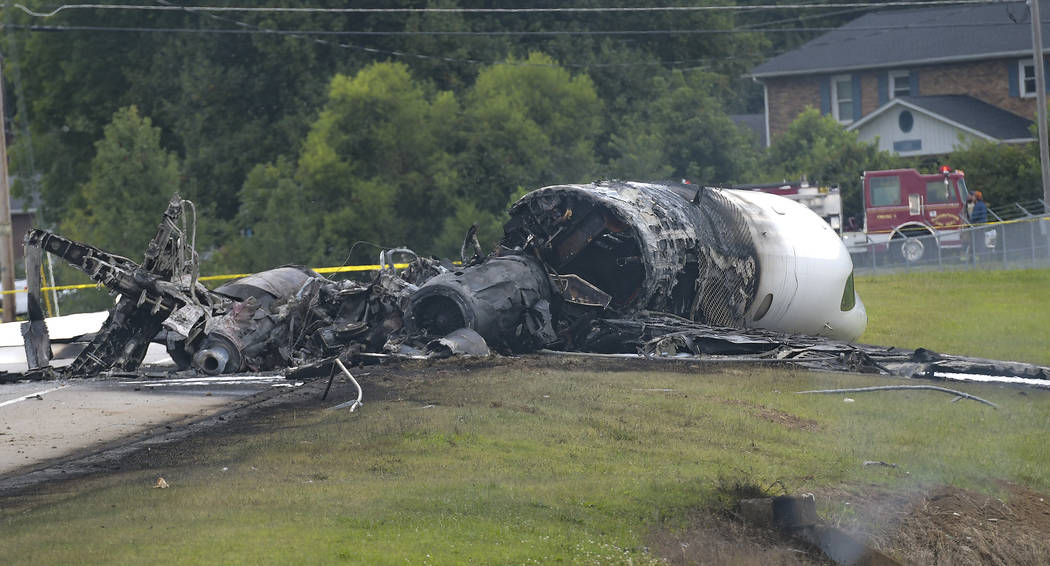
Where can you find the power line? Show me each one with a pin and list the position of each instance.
(551, 33)
(804, 18)
(316, 36)
(640, 9)
(472, 61)
(263, 31)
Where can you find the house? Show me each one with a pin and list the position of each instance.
(916, 79)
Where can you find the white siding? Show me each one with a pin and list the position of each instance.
(935, 135)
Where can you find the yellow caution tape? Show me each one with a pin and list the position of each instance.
(340, 269)
(959, 226)
(353, 268)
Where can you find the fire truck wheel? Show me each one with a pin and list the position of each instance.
(909, 248)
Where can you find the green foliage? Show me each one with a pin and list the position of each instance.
(277, 225)
(819, 148)
(228, 102)
(449, 242)
(445, 152)
(1004, 173)
(132, 179)
(527, 125)
(682, 133)
(374, 168)
(71, 86)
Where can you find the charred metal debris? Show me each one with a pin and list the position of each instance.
(656, 270)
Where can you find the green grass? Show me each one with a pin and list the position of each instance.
(520, 465)
(993, 314)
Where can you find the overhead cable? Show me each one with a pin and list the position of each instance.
(551, 33)
(637, 9)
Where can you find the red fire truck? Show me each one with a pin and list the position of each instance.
(902, 205)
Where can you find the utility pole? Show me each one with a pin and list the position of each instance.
(1040, 95)
(7, 248)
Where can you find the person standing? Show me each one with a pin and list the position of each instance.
(979, 214)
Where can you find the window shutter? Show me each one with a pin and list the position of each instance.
(884, 88)
(858, 112)
(913, 83)
(1046, 74)
(825, 96)
(1015, 87)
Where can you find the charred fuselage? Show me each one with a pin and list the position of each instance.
(715, 256)
(571, 255)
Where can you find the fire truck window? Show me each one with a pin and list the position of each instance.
(885, 191)
(938, 191)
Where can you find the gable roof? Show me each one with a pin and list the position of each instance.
(964, 112)
(900, 38)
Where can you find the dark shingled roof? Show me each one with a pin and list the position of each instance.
(899, 38)
(967, 111)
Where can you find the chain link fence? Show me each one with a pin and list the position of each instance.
(1008, 243)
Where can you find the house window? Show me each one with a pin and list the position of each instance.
(842, 98)
(900, 84)
(1027, 76)
(905, 121)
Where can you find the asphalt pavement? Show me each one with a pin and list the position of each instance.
(45, 422)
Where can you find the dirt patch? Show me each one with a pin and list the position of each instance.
(939, 526)
(947, 525)
(714, 539)
(775, 415)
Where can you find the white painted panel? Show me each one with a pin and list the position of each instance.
(936, 136)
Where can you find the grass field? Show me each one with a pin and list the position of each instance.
(548, 462)
(1002, 315)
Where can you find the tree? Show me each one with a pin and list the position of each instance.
(276, 225)
(132, 179)
(682, 133)
(527, 124)
(818, 148)
(1004, 173)
(374, 168)
(130, 183)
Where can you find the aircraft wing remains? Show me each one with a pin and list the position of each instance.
(658, 270)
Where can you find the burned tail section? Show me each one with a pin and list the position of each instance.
(147, 294)
(679, 249)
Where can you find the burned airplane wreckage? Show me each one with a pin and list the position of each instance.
(610, 267)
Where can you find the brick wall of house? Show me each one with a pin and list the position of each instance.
(869, 92)
(985, 80)
(788, 97)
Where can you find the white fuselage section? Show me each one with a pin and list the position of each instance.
(805, 270)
